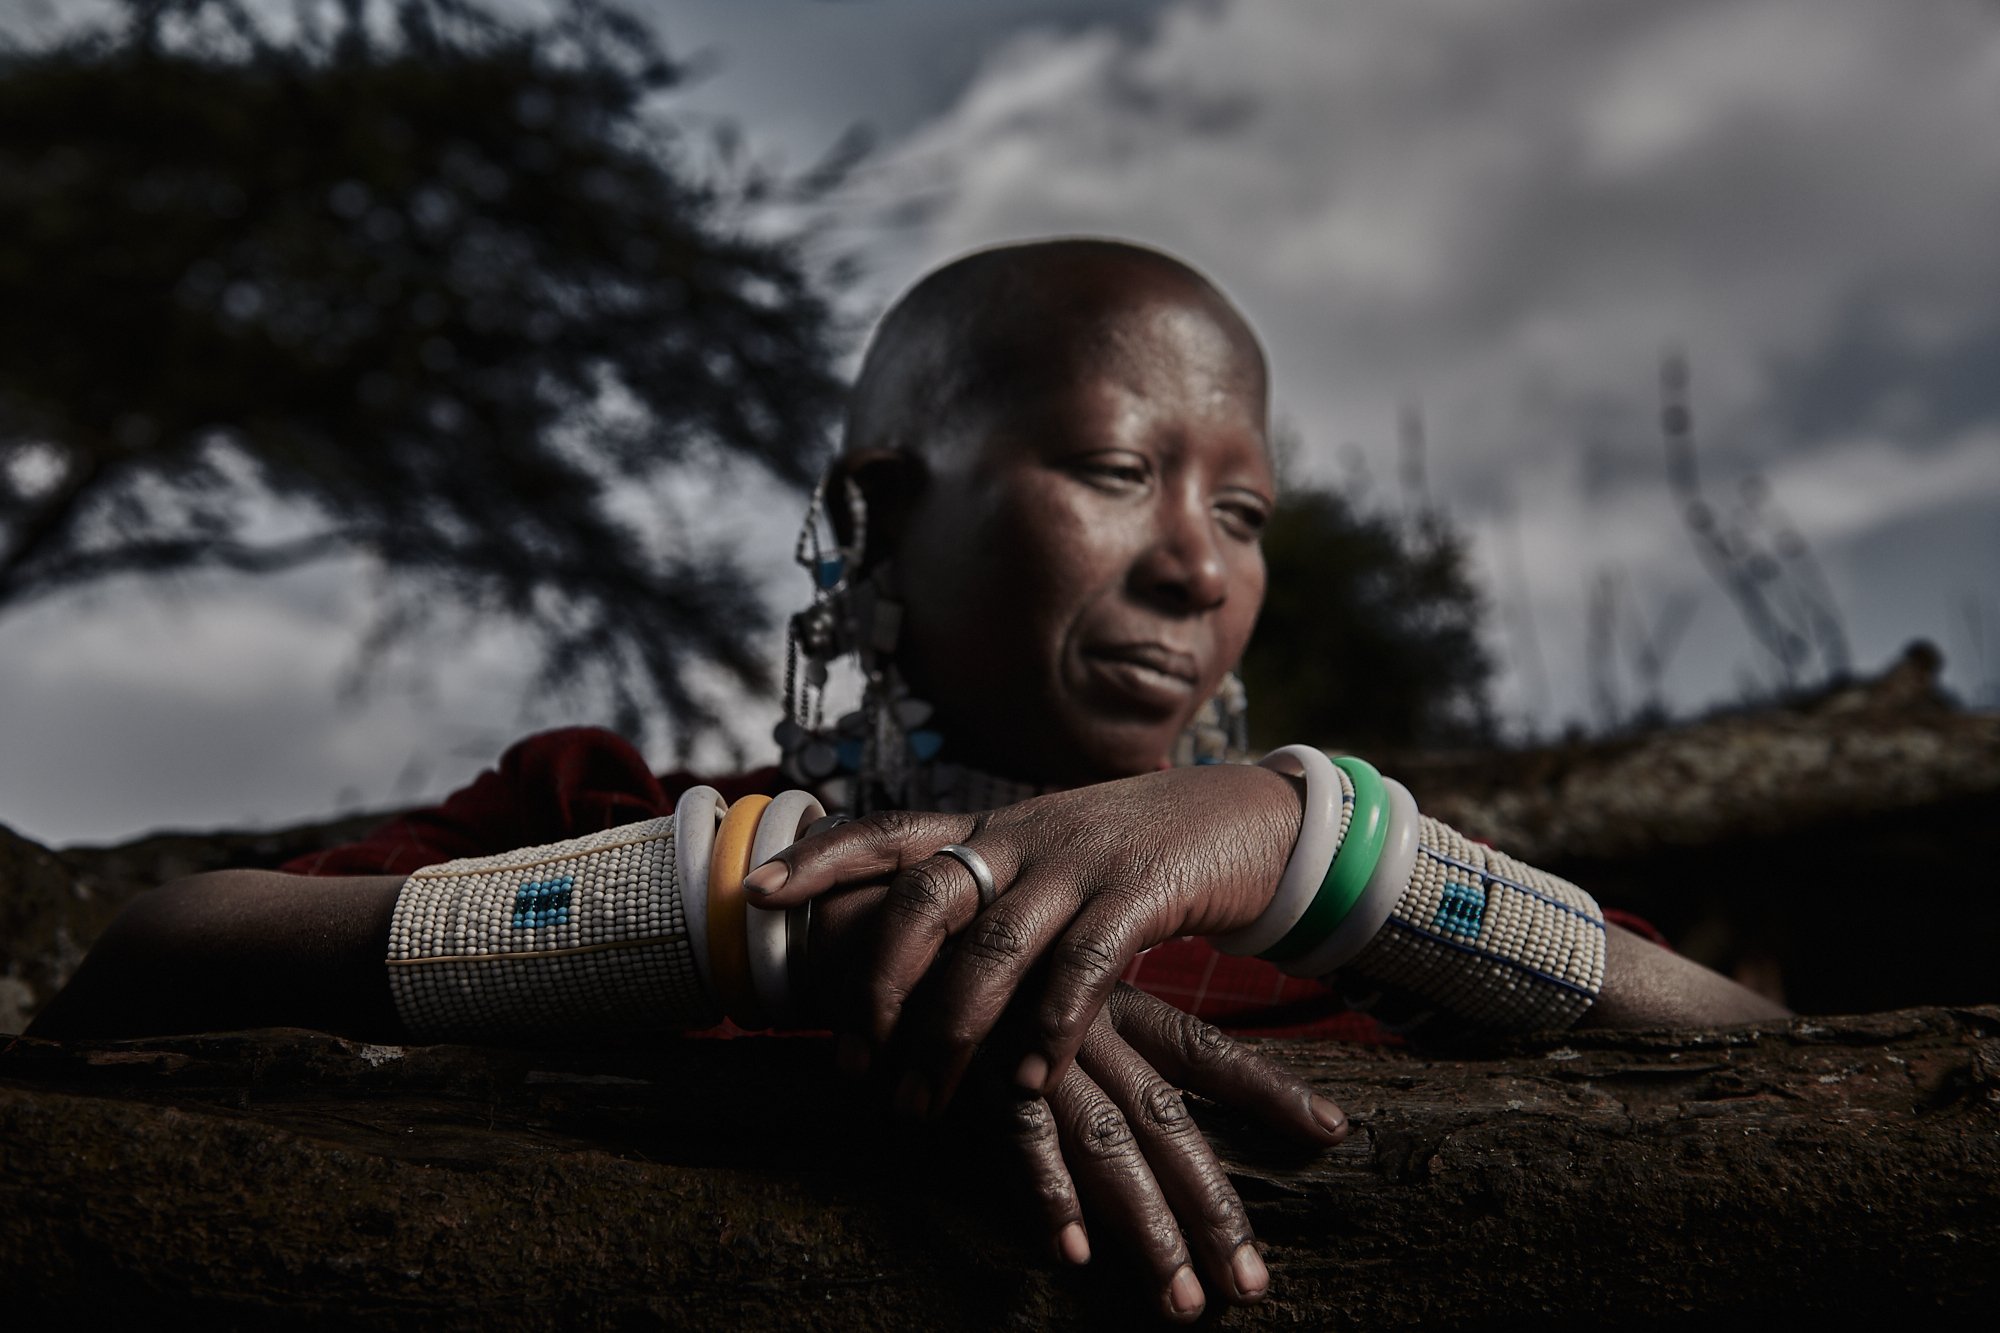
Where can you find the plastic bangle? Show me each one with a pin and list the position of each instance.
(695, 817)
(1378, 896)
(728, 941)
(1352, 864)
(1319, 835)
(764, 933)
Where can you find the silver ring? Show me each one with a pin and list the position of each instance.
(982, 874)
(825, 824)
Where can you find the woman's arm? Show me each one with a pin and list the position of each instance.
(1089, 878)
(235, 949)
(1646, 986)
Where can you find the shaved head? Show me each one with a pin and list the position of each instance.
(1064, 454)
(1019, 320)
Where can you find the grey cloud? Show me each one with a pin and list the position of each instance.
(1507, 211)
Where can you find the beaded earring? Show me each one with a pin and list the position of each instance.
(1220, 730)
(871, 751)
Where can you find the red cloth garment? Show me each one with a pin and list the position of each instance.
(577, 780)
(552, 786)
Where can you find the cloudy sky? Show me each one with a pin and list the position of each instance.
(1497, 214)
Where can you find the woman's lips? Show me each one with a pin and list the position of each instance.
(1150, 674)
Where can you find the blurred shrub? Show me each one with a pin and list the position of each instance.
(1370, 631)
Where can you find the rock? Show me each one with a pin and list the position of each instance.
(1830, 1168)
(49, 913)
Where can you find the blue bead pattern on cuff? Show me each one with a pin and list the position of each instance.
(1461, 910)
(542, 902)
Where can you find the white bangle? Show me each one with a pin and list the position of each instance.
(1329, 803)
(777, 828)
(1378, 897)
(696, 815)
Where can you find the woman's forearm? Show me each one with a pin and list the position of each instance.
(237, 949)
(1646, 986)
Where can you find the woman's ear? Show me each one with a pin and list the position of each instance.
(888, 481)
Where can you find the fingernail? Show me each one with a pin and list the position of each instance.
(1184, 1293)
(1246, 1269)
(1034, 1072)
(850, 1055)
(1074, 1244)
(767, 878)
(913, 1095)
(1331, 1118)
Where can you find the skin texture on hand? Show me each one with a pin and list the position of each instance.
(1088, 878)
(1111, 1152)
(1116, 1135)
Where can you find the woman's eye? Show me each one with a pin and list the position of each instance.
(1113, 473)
(1247, 520)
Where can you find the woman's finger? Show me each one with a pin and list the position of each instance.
(1030, 1126)
(1083, 966)
(927, 903)
(861, 851)
(1119, 1190)
(1201, 1059)
(968, 991)
(1196, 1187)
(1080, 941)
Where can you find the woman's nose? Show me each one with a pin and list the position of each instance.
(1183, 569)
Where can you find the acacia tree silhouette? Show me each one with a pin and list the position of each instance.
(426, 284)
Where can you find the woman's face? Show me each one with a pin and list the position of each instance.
(1081, 569)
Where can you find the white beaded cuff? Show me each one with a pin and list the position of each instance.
(1488, 939)
(547, 943)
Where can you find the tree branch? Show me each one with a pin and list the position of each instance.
(168, 555)
(48, 522)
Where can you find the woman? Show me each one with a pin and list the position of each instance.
(1048, 505)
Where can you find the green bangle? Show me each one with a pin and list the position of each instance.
(1353, 863)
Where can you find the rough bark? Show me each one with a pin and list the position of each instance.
(1843, 1168)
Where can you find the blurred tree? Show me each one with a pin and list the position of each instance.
(1370, 630)
(399, 278)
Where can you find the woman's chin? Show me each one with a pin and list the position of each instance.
(1062, 743)
(1103, 750)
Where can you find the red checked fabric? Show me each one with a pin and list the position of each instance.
(566, 783)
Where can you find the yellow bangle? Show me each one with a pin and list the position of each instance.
(728, 938)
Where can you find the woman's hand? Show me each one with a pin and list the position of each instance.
(1086, 879)
(1114, 1139)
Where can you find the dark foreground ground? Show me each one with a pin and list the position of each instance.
(1825, 1168)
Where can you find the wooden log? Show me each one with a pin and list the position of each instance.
(1829, 1167)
